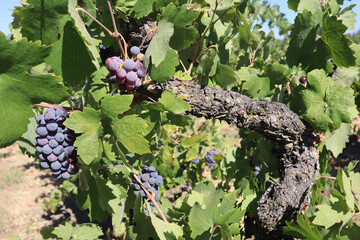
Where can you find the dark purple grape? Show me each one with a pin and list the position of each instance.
(121, 73)
(65, 144)
(58, 150)
(134, 50)
(154, 174)
(41, 141)
(151, 169)
(66, 175)
(42, 131)
(44, 164)
(69, 150)
(49, 110)
(50, 116)
(303, 79)
(129, 65)
(39, 149)
(47, 149)
(152, 181)
(53, 143)
(61, 112)
(65, 164)
(112, 79)
(72, 168)
(52, 157)
(59, 137)
(113, 67)
(157, 197)
(138, 65)
(131, 77)
(55, 165)
(145, 177)
(39, 119)
(141, 73)
(138, 83)
(137, 187)
(159, 180)
(136, 192)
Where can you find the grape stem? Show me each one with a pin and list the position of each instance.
(150, 197)
(333, 178)
(149, 98)
(54, 106)
(87, 13)
(116, 34)
(253, 53)
(147, 35)
(213, 231)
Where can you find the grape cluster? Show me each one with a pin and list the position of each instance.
(151, 181)
(55, 143)
(128, 73)
(210, 158)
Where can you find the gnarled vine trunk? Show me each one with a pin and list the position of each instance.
(297, 153)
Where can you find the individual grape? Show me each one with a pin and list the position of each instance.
(42, 131)
(59, 137)
(145, 177)
(39, 149)
(52, 157)
(39, 118)
(136, 192)
(69, 150)
(41, 141)
(65, 164)
(138, 83)
(154, 174)
(50, 116)
(112, 79)
(44, 164)
(134, 50)
(129, 65)
(131, 76)
(41, 156)
(72, 168)
(58, 150)
(257, 169)
(113, 67)
(159, 180)
(66, 175)
(151, 169)
(140, 57)
(121, 73)
(55, 165)
(152, 181)
(61, 112)
(65, 143)
(69, 137)
(136, 186)
(129, 86)
(303, 79)
(53, 143)
(157, 197)
(138, 65)
(49, 110)
(141, 73)
(55, 172)
(50, 136)
(47, 149)
(146, 185)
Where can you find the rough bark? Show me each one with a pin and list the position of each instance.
(297, 153)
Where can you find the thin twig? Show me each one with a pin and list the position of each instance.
(254, 53)
(213, 231)
(116, 34)
(333, 178)
(147, 35)
(84, 11)
(140, 94)
(150, 196)
(181, 62)
(182, 135)
(203, 52)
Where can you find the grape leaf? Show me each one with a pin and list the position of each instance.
(166, 68)
(225, 76)
(311, 5)
(172, 103)
(337, 141)
(345, 76)
(201, 220)
(276, 73)
(128, 130)
(302, 229)
(19, 88)
(163, 229)
(83, 33)
(337, 43)
(182, 18)
(143, 8)
(43, 20)
(69, 57)
(85, 231)
(325, 105)
(26, 141)
(112, 106)
(349, 197)
(348, 17)
(88, 124)
(256, 86)
(326, 216)
(159, 44)
(355, 179)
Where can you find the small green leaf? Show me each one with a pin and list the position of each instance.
(345, 76)
(172, 103)
(143, 8)
(225, 76)
(303, 229)
(350, 201)
(326, 216)
(200, 220)
(337, 141)
(159, 44)
(85, 231)
(164, 229)
(89, 143)
(355, 179)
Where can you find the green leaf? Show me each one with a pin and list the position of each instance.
(257, 87)
(325, 105)
(311, 5)
(159, 44)
(83, 33)
(112, 106)
(244, 30)
(337, 43)
(88, 124)
(69, 57)
(225, 76)
(303, 229)
(43, 20)
(277, 73)
(345, 76)
(85, 231)
(350, 201)
(355, 179)
(19, 88)
(164, 230)
(172, 103)
(200, 220)
(26, 141)
(128, 131)
(182, 18)
(225, 232)
(143, 8)
(348, 17)
(326, 216)
(337, 141)
(166, 68)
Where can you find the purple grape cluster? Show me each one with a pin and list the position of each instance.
(55, 143)
(151, 181)
(128, 73)
(210, 158)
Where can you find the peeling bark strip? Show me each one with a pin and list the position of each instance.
(298, 154)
